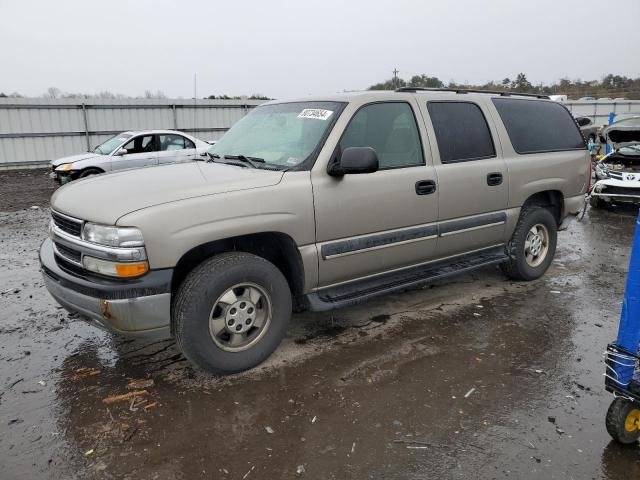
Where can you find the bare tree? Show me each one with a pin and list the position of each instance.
(53, 92)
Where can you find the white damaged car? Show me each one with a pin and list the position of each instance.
(618, 173)
(131, 150)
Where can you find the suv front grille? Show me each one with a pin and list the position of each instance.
(72, 227)
(69, 253)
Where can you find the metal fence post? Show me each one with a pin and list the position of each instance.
(86, 127)
(175, 117)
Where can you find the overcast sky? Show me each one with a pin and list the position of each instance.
(299, 47)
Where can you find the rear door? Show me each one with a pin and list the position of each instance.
(175, 148)
(472, 176)
(371, 223)
(141, 151)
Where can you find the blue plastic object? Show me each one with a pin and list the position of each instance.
(629, 329)
(607, 147)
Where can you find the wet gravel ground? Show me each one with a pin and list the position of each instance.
(477, 377)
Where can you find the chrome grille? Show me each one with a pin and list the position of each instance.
(69, 253)
(66, 224)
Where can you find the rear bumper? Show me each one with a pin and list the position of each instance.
(139, 308)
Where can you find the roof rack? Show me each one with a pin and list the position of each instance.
(469, 90)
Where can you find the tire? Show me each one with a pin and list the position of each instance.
(520, 247)
(622, 421)
(205, 313)
(89, 171)
(596, 202)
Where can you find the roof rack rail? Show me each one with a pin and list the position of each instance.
(469, 90)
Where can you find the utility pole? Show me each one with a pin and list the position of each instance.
(195, 101)
(395, 77)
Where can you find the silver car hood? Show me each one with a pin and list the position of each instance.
(623, 132)
(107, 197)
(75, 158)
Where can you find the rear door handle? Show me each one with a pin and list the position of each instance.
(425, 187)
(494, 179)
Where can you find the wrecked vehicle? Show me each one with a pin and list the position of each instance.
(618, 173)
(130, 150)
(316, 203)
(588, 129)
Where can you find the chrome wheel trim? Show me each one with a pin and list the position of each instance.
(536, 245)
(240, 317)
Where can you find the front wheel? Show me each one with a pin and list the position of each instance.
(532, 245)
(231, 312)
(596, 202)
(623, 421)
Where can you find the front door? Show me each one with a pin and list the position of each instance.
(140, 151)
(472, 177)
(175, 148)
(370, 223)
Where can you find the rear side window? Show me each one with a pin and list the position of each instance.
(461, 130)
(538, 126)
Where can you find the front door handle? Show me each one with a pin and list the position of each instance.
(494, 179)
(425, 187)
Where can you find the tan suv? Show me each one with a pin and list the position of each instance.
(316, 203)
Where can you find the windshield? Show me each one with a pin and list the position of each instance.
(110, 145)
(283, 135)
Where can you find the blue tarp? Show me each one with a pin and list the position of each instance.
(629, 329)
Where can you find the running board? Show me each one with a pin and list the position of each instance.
(361, 291)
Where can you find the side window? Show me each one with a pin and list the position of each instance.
(188, 143)
(583, 121)
(171, 142)
(390, 129)
(141, 144)
(538, 125)
(461, 130)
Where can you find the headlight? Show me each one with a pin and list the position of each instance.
(114, 269)
(602, 171)
(65, 167)
(113, 236)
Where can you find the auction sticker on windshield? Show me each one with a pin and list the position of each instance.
(317, 113)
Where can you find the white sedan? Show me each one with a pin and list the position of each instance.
(131, 150)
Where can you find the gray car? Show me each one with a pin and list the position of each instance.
(130, 150)
(316, 203)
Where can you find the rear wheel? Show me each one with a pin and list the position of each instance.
(623, 421)
(532, 245)
(231, 312)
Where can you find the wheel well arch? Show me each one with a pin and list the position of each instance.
(276, 247)
(90, 167)
(552, 199)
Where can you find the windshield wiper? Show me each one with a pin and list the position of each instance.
(253, 161)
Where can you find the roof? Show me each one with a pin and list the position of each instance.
(379, 95)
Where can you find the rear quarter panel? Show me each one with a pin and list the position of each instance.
(563, 171)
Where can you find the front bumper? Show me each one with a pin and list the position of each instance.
(612, 190)
(139, 307)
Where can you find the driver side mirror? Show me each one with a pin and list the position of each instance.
(355, 160)
(120, 152)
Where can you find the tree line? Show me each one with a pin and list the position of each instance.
(56, 93)
(611, 86)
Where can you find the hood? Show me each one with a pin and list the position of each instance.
(105, 198)
(623, 132)
(75, 158)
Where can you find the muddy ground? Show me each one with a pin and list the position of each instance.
(477, 377)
